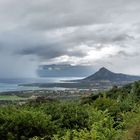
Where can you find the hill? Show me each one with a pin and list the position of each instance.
(106, 75)
(108, 115)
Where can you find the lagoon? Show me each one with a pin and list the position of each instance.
(12, 84)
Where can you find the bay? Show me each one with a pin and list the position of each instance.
(12, 84)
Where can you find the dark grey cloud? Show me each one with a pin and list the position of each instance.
(43, 52)
(60, 14)
(49, 51)
(107, 35)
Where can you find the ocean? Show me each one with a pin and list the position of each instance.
(7, 85)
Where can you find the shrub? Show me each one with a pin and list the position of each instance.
(25, 124)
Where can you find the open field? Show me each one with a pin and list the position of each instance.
(11, 98)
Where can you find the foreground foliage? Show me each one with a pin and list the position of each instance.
(112, 115)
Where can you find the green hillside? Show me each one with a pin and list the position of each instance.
(111, 115)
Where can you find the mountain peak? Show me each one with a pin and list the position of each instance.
(105, 74)
(103, 69)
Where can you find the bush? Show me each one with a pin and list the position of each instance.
(16, 123)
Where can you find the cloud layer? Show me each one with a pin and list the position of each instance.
(81, 32)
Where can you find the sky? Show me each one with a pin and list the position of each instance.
(100, 33)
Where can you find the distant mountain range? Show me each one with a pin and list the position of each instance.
(106, 75)
(65, 70)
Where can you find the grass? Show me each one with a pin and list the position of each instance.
(10, 98)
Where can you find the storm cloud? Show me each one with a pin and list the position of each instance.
(82, 32)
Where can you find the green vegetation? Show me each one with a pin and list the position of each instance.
(10, 98)
(111, 115)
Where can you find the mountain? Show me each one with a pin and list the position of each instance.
(106, 75)
(101, 80)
